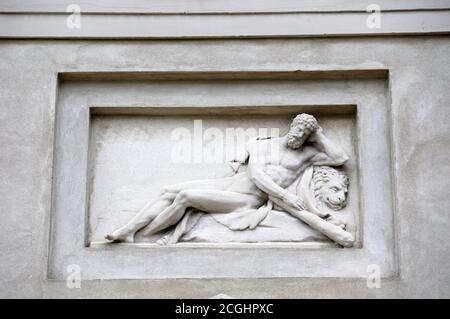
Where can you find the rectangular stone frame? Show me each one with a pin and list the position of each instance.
(68, 244)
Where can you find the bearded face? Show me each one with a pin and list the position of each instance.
(297, 136)
(301, 128)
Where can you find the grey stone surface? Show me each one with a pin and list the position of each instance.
(181, 19)
(419, 71)
(270, 97)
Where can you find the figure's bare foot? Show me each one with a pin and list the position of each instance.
(163, 241)
(117, 237)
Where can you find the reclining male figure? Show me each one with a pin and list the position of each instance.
(273, 165)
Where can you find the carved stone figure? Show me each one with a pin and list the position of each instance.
(330, 187)
(323, 189)
(272, 166)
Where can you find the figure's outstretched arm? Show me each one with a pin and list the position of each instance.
(335, 233)
(329, 152)
(265, 183)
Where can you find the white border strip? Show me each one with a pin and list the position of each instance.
(216, 6)
(107, 26)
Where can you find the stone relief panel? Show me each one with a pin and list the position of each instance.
(119, 146)
(282, 179)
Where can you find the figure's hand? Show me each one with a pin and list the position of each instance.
(294, 201)
(314, 136)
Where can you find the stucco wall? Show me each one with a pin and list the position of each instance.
(419, 84)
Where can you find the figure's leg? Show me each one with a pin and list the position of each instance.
(143, 218)
(206, 200)
(189, 220)
(153, 208)
(214, 183)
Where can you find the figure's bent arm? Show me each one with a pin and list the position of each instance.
(333, 232)
(330, 153)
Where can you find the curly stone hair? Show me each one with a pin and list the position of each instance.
(305, 121)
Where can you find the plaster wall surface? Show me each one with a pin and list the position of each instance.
(419, 86)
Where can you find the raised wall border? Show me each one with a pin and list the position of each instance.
(178, 19)
(96, 258)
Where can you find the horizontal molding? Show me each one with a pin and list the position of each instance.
(324, 74)
(270, 25)
(216, 6)
(331, 109)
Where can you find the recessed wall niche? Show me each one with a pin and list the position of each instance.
(135, 156)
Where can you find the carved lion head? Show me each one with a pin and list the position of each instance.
(330, 187)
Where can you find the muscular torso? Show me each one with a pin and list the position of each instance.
(281, 163)
(285, 171)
